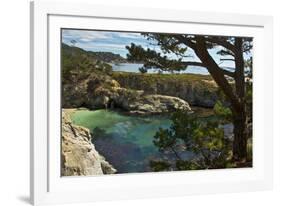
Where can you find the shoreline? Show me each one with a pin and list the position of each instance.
(205, 111)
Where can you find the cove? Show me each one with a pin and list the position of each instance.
(125, 141)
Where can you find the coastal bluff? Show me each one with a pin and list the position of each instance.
(99, 91)
(79, 156)
(197, 90)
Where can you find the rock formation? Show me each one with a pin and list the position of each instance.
(197, 90)
(79, 156)
(141, 103)
(101, 91)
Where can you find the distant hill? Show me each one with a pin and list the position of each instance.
(107, 57)
(78, 64)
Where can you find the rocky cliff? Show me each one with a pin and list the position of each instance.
(102, 91)
(197, 90)
(88, 81)
(79, 156)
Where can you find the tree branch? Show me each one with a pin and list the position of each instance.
(228, 73)
(193, 64)
(216, 72)
(221, 42)
(225, 52)
(185, 41)
(152, 59)
(227, 59)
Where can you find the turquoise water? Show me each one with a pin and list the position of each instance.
(125, 141)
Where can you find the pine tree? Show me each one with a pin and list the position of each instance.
(230, 49)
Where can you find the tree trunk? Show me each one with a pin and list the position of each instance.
(239, 114)
(240, 138)
(215, 71)
(237, 98)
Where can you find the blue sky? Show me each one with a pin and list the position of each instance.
(116, 42)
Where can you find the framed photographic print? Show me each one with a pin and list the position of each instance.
(126, 105)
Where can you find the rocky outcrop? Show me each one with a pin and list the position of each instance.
(79, 156)
(101, 91)
(137, 102)
(197, 90)
(86, 91)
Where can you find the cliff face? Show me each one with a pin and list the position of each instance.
(79, 156)
(101, 91)
(197, 90)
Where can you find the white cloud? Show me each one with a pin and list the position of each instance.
(90, 45)
(128, 35)
(85, 36)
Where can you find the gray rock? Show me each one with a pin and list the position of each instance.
(228, 131)
(137, 102)
(107, 168)
(79, 156)
(195, 91)
(102, 92)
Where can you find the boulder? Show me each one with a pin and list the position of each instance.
(137, 102)
(156, 104)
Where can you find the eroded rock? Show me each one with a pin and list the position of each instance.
(79, 156)
(101, 91)
(154, 104)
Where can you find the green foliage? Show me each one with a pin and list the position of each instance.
(143, 70)
(187, 165)
(158, 166)
(222, 111)
(153, 83)
(153, 60)
(164, 77)
(167, 42)
(78, 64)
(164, 139)
(203, 137)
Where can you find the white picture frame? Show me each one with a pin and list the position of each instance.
(47, 186)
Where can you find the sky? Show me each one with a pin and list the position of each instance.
(115, 42)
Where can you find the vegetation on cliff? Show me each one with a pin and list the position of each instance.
(78, 64)
(198, 90)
